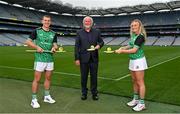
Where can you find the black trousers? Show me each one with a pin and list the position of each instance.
(85, 68)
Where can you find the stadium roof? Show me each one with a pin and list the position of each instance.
(57, 6)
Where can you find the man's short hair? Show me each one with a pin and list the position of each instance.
(47, 16)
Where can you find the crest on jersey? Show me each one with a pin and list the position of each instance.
(137, 67)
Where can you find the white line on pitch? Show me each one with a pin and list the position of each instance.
(68, 74)
(117, 79)
(77, 75)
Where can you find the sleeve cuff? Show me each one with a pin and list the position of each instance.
(136, 46)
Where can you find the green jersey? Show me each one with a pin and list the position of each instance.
(138, 42)
(45, 40)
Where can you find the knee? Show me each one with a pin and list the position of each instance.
(140, 83)
(47, 78)
(36, 80)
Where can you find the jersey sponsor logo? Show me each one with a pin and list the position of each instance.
(137, 67)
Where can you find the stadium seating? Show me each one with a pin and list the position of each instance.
(107, 40)
(164, 41)
(117, 41)
(16, 37)
(66, 41)
(177, 41)
(150, 40)
(6, 41)
(112, 25)
(125, 42)
(161, 18)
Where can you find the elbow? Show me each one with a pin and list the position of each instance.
(26, 42)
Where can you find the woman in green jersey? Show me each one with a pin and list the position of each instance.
(137, 63)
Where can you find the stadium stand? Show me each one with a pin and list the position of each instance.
(66, 41)
(18, 22)
(117, 41)
(164, 41)
(16, 37)
(177, 41)
(107, 40)
(125, 42)
(7, 41)
(151, 40)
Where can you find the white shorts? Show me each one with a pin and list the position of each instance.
(42, 66)
(138, 64)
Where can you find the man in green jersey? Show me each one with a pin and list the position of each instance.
(42, 39)
(137, 63)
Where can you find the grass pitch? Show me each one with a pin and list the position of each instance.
(162, 77)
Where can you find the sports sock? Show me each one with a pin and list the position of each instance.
(141, 101)
(34, 96)
(46, 92)
(136, 96)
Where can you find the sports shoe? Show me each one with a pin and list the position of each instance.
(83, 97)
(34, 103)
(95, 97)
(139, 107)
(48, 99)
(134, 102)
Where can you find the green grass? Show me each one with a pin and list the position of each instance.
(162, 81)
(15, 97)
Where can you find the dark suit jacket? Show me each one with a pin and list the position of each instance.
(84, 40)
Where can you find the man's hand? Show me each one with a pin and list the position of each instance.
(77, 62)
(39, 49)
(53, 49)
(97, 47)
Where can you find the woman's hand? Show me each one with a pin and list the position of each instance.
(118, 51)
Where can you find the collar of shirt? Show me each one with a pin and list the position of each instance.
(89, 31)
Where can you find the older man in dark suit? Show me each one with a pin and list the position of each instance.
(88, 37)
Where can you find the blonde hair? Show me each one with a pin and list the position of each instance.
(141, 28)
(90, 19)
